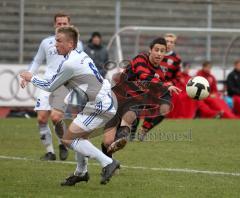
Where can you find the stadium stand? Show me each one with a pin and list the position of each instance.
(92, 15)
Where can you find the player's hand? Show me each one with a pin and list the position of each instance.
(213, 95)
(172, 89)
(27, 76)
(23, 83)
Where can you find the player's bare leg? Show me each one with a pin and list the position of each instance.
(152, 122)
(122, 133)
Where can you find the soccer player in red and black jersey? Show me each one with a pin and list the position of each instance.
(171, 66)
(141, 92)
(171, 61)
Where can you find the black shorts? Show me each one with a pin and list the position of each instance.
(138, 106)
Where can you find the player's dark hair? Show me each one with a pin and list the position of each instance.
(61, 14)
(206, 63)
(159, 40)
(71, 32)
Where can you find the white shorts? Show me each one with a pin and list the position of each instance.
(49, 100)
(42, 101)
(96, 115)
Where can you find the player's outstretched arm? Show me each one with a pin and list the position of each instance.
(57, 80)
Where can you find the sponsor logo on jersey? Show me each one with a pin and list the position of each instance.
(169, 61)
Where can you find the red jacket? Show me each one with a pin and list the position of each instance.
(183, 78)
(211, 79)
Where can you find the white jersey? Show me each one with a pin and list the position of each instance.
(77, 70)
(48, 52)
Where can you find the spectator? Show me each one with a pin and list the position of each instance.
(97, 52)
(187, 107)
(214, 102)
(233, 87)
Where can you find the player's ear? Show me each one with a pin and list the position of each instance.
(72, 44)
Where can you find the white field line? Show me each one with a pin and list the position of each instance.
(185, 170)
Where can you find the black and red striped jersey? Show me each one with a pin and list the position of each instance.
(142, 83)
(142, 72)
(171, 65)
(140, 68)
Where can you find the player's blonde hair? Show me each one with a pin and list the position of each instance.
(174, 36)
(71, 32)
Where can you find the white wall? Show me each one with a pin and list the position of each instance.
(11, 94)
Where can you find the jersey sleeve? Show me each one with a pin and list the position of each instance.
(38, 59)
(64, 73)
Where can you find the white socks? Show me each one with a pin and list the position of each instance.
(82, 163)
(46, 137)
(87, 149)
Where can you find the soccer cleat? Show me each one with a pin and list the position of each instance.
(48, 157)
(117, 145)
(121, 139)
(73, 179)
(142, 136)
(63, 152)
(108, 171)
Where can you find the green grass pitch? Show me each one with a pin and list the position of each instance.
(182, 158)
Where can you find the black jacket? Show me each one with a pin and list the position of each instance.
(99, 55)
(233, 83)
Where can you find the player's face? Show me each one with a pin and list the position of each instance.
(237, 66)
(170, 43)
(157, 54)
(207, 68)
(61, 22)
(63, 44)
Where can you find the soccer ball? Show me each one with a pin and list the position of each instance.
(198, 88)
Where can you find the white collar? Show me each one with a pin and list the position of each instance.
(169, 53)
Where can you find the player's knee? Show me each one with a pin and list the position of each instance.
(128, 118)
(56, 116)
(164, 109)
(42, 119)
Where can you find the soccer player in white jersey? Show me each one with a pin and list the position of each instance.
(47, 52)
(78, 72)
